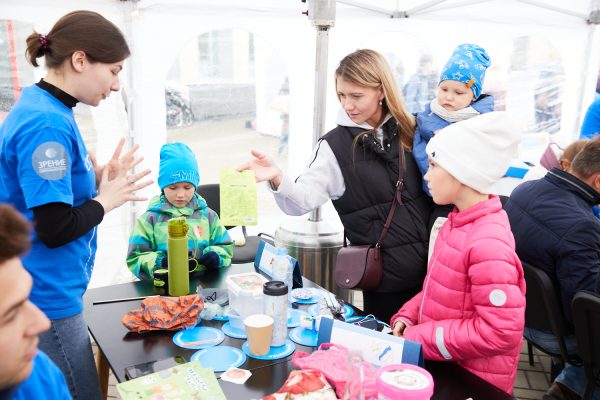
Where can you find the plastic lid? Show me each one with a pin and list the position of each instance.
(275, 288)
(404, 381)
(177, 227)
(161, 273)
(246, 284)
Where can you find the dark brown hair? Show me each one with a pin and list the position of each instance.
(15, 231)
(86, 31)
(368, 68)
(587, 162)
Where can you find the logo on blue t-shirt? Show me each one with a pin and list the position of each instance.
(50, 161)
(88, 162)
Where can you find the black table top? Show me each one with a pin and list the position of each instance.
(123, 348)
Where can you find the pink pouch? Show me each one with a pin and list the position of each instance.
(332, 360)
(304, 384)
(549, 159)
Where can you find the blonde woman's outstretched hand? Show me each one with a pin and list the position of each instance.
(264, 168)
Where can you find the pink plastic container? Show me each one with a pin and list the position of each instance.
(404, 381)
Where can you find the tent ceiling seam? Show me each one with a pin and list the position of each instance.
(552, 8)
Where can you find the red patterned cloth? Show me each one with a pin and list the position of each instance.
(164, 313)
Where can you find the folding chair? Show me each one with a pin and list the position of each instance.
(241, 254)
(544, 312)
(586, 319)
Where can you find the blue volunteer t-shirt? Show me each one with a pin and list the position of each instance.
(43, 160)
(45, 382)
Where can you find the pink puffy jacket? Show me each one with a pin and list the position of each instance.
(471, 309)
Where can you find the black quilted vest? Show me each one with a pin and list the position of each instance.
(370, 176)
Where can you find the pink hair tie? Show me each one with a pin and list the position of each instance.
(44, 41)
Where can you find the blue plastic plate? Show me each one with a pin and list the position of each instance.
(199, 337)
(294, 317)
(233, 332)
(348, 311)
(275, 353)
(305, 337)
(220, 358)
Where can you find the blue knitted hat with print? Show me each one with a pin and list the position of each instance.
(177, 164)
(467, 64)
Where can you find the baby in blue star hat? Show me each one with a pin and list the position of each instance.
(459, 98)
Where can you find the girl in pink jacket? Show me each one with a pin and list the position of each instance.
(471, 309)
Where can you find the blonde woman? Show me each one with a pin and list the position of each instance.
(356, 166)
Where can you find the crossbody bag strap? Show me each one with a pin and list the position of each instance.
(397, 197)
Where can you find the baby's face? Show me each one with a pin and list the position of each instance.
(179, 194)
(454, 95)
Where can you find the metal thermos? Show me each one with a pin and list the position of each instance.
(276, 302)
(177, 251)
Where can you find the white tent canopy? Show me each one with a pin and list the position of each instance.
(559, 41)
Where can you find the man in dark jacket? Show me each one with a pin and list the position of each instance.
(555, 229)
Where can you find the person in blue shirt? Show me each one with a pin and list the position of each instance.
(25, 371)
(47, 174)
(591, 122)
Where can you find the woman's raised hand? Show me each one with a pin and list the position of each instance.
(264, 168)
(115, 186)
(117, 164)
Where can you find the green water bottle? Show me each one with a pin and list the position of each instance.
(177, 250)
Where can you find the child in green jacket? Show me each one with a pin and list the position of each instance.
(211, 246)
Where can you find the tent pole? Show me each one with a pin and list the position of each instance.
(583, 82)
(322, 15)
(131, 12)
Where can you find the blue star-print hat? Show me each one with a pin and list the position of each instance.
(467, 64)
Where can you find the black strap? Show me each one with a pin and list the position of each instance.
(397, 200)
(397, 197)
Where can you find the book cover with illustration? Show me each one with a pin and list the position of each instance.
(185, 382)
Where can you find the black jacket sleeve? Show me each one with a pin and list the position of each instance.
(57, 224)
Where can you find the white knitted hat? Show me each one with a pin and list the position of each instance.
(477, 151)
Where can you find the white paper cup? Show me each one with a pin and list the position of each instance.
(235, 320)
(259, 328)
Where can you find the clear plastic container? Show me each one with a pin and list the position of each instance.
(246, 293)
(404, 381)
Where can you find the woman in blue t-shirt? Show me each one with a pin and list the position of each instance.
(47, 173)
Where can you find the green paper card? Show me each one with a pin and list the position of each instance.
(238, 198)
(184, 382)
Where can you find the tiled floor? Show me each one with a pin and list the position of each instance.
(532, 381)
